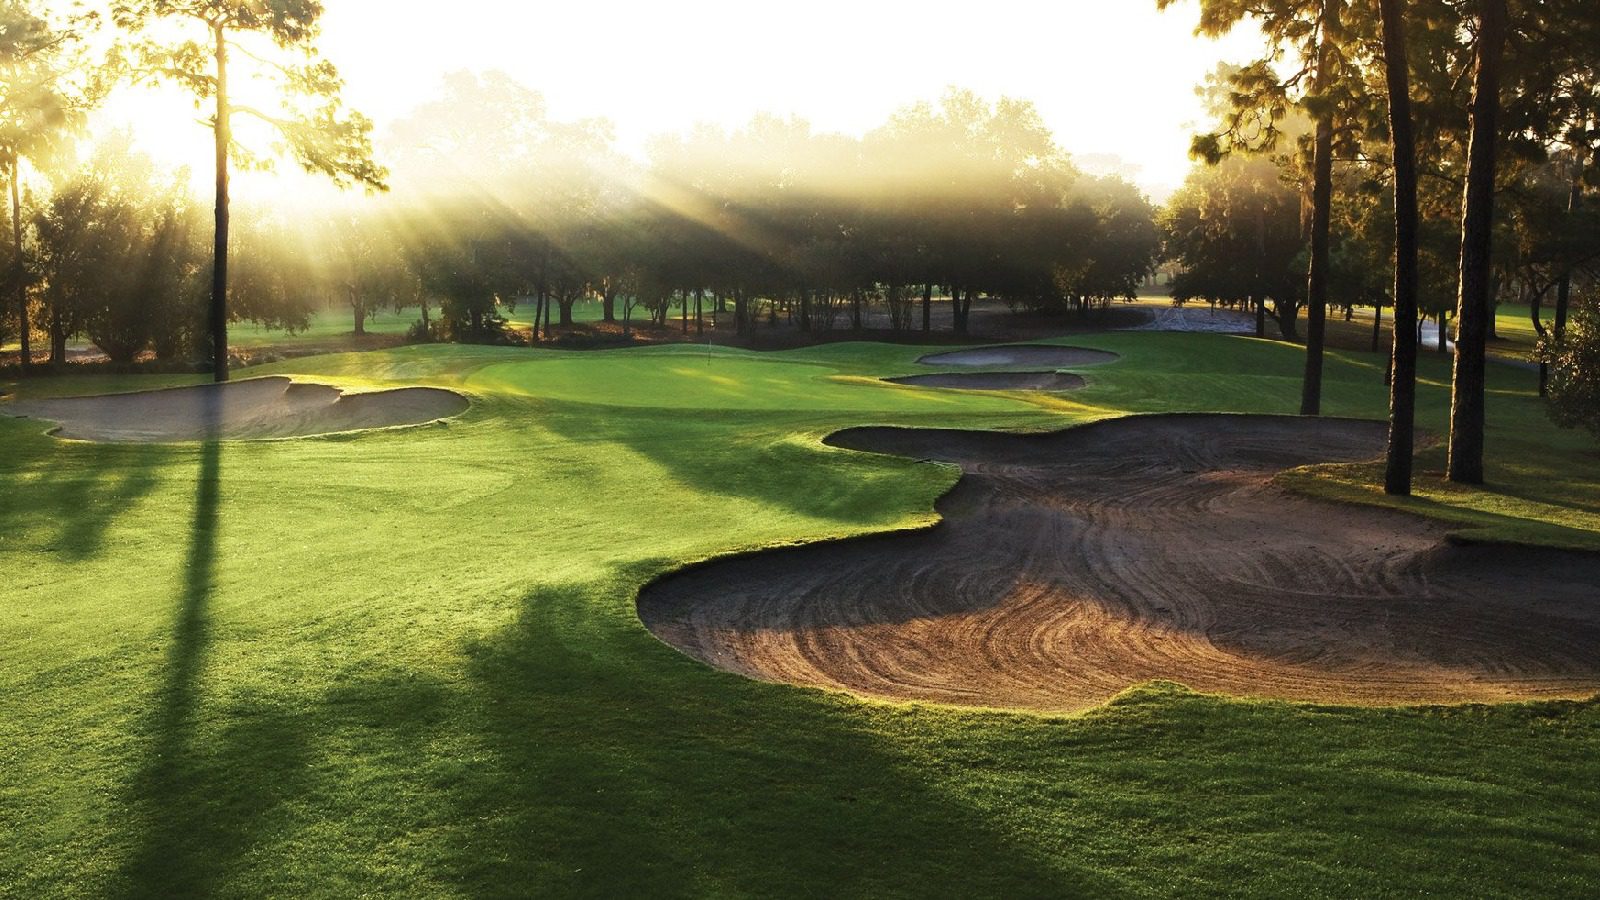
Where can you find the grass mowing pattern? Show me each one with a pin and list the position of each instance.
(408, 662)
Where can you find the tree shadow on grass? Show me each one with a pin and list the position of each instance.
(621, 768)
(65, 498)
(199, 788)
(791, 474)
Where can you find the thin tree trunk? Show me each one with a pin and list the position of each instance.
(1563, 288)
(608, 304)
(1261, 259)
(1403, 360)
(699, 312)
(223, 132)
(1377, 326)
(1285, 315)
(927, 307)
(58, 334)
(1321, 208)
(21, 283)
(1467, 414)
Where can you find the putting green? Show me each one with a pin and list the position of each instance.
(409, 661)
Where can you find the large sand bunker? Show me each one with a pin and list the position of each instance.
(255, 409)
(1020, 355)
(997, 381)
(1073, 565)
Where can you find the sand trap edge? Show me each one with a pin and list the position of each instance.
(444, 404)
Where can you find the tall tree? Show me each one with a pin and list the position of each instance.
(1465, 464)
(1402, 138)
(39, 111)
(1315, 32)
(279, 37)
(1328, 25)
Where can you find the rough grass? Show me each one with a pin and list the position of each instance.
(408, 662)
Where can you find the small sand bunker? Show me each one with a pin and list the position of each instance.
(997, 381)
(256, 409)
(1071, 566)
(1020, 355)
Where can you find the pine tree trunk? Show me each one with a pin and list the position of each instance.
(222, 131)
(1403, 361)
(1321, 210)
(1467, 412)
(23, 324)
(1261, 259)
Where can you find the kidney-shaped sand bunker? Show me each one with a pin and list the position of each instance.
(1021, 355)
(1071, 566)
(996, 381)
(256, 409)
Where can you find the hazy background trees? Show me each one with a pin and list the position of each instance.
(502, 211)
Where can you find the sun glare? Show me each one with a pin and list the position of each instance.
(1114, 82)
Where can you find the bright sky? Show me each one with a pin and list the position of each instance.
(1109, 76)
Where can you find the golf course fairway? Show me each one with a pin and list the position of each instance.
(409, 660)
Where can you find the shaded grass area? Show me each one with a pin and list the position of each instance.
(408, 662)
(1514, 337)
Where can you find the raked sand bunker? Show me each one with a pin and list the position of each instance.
(996, 381)
(255, 409)
(1020, 355)
(1071, 566)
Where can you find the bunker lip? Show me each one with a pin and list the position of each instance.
(1071, 566)
(1021, 355)
(996, 381)
(253, 409)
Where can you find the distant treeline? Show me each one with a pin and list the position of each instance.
(494, 205)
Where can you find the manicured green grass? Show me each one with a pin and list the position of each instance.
(408, 662)
(333, 326)
(328, 326)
